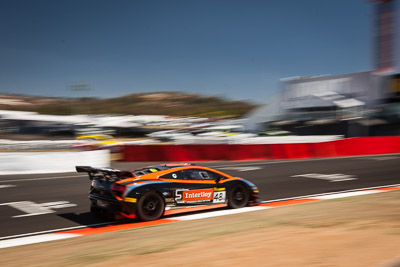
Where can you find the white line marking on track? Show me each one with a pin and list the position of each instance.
(34, 239)
(337, 177)
(30, 214)
(6, 186)
(241, 169)
(32, 209)
(58, 205)
(28, 207)
(43, 178)
(348, 194)
(216, 213)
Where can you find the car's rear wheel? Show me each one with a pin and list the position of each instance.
(238, 196)
(150, 207)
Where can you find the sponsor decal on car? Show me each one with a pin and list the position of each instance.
(219, 197)
(215, 195)
(194, 196)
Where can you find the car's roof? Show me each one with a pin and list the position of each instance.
(158, 168)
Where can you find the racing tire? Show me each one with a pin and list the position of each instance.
(238, 196)
(150, 207)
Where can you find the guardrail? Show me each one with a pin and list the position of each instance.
(343, 147)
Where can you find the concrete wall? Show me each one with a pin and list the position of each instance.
(51, 162)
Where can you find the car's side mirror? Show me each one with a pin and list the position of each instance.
(219, 178)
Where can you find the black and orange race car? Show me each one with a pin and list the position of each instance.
(151, 192)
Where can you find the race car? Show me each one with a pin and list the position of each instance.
(98, 141)
(154, 191)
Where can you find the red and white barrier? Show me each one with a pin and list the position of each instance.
(337, 148)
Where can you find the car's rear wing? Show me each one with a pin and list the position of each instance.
(109, 174)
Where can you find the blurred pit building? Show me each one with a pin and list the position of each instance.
(355, 104)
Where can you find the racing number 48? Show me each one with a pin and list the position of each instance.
(219, 197)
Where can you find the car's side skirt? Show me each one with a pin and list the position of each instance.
(177, 210)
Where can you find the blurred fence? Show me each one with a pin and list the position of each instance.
(337, 148)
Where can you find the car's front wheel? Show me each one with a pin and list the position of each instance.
(150, 207)
(238, 196)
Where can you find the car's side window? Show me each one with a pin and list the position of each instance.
(216, 176)
(190, 174)
(205, 175)
(198, 174)
(172, 175)
(193, 174)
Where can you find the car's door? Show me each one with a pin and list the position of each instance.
(200, 187)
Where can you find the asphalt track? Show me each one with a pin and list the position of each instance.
(40, 203)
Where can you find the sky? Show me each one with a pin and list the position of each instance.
(238, 49)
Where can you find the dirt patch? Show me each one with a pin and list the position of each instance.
(285, 246)
(357, 231)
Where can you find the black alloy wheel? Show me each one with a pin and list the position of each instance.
(238, 196)
(150, 207)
